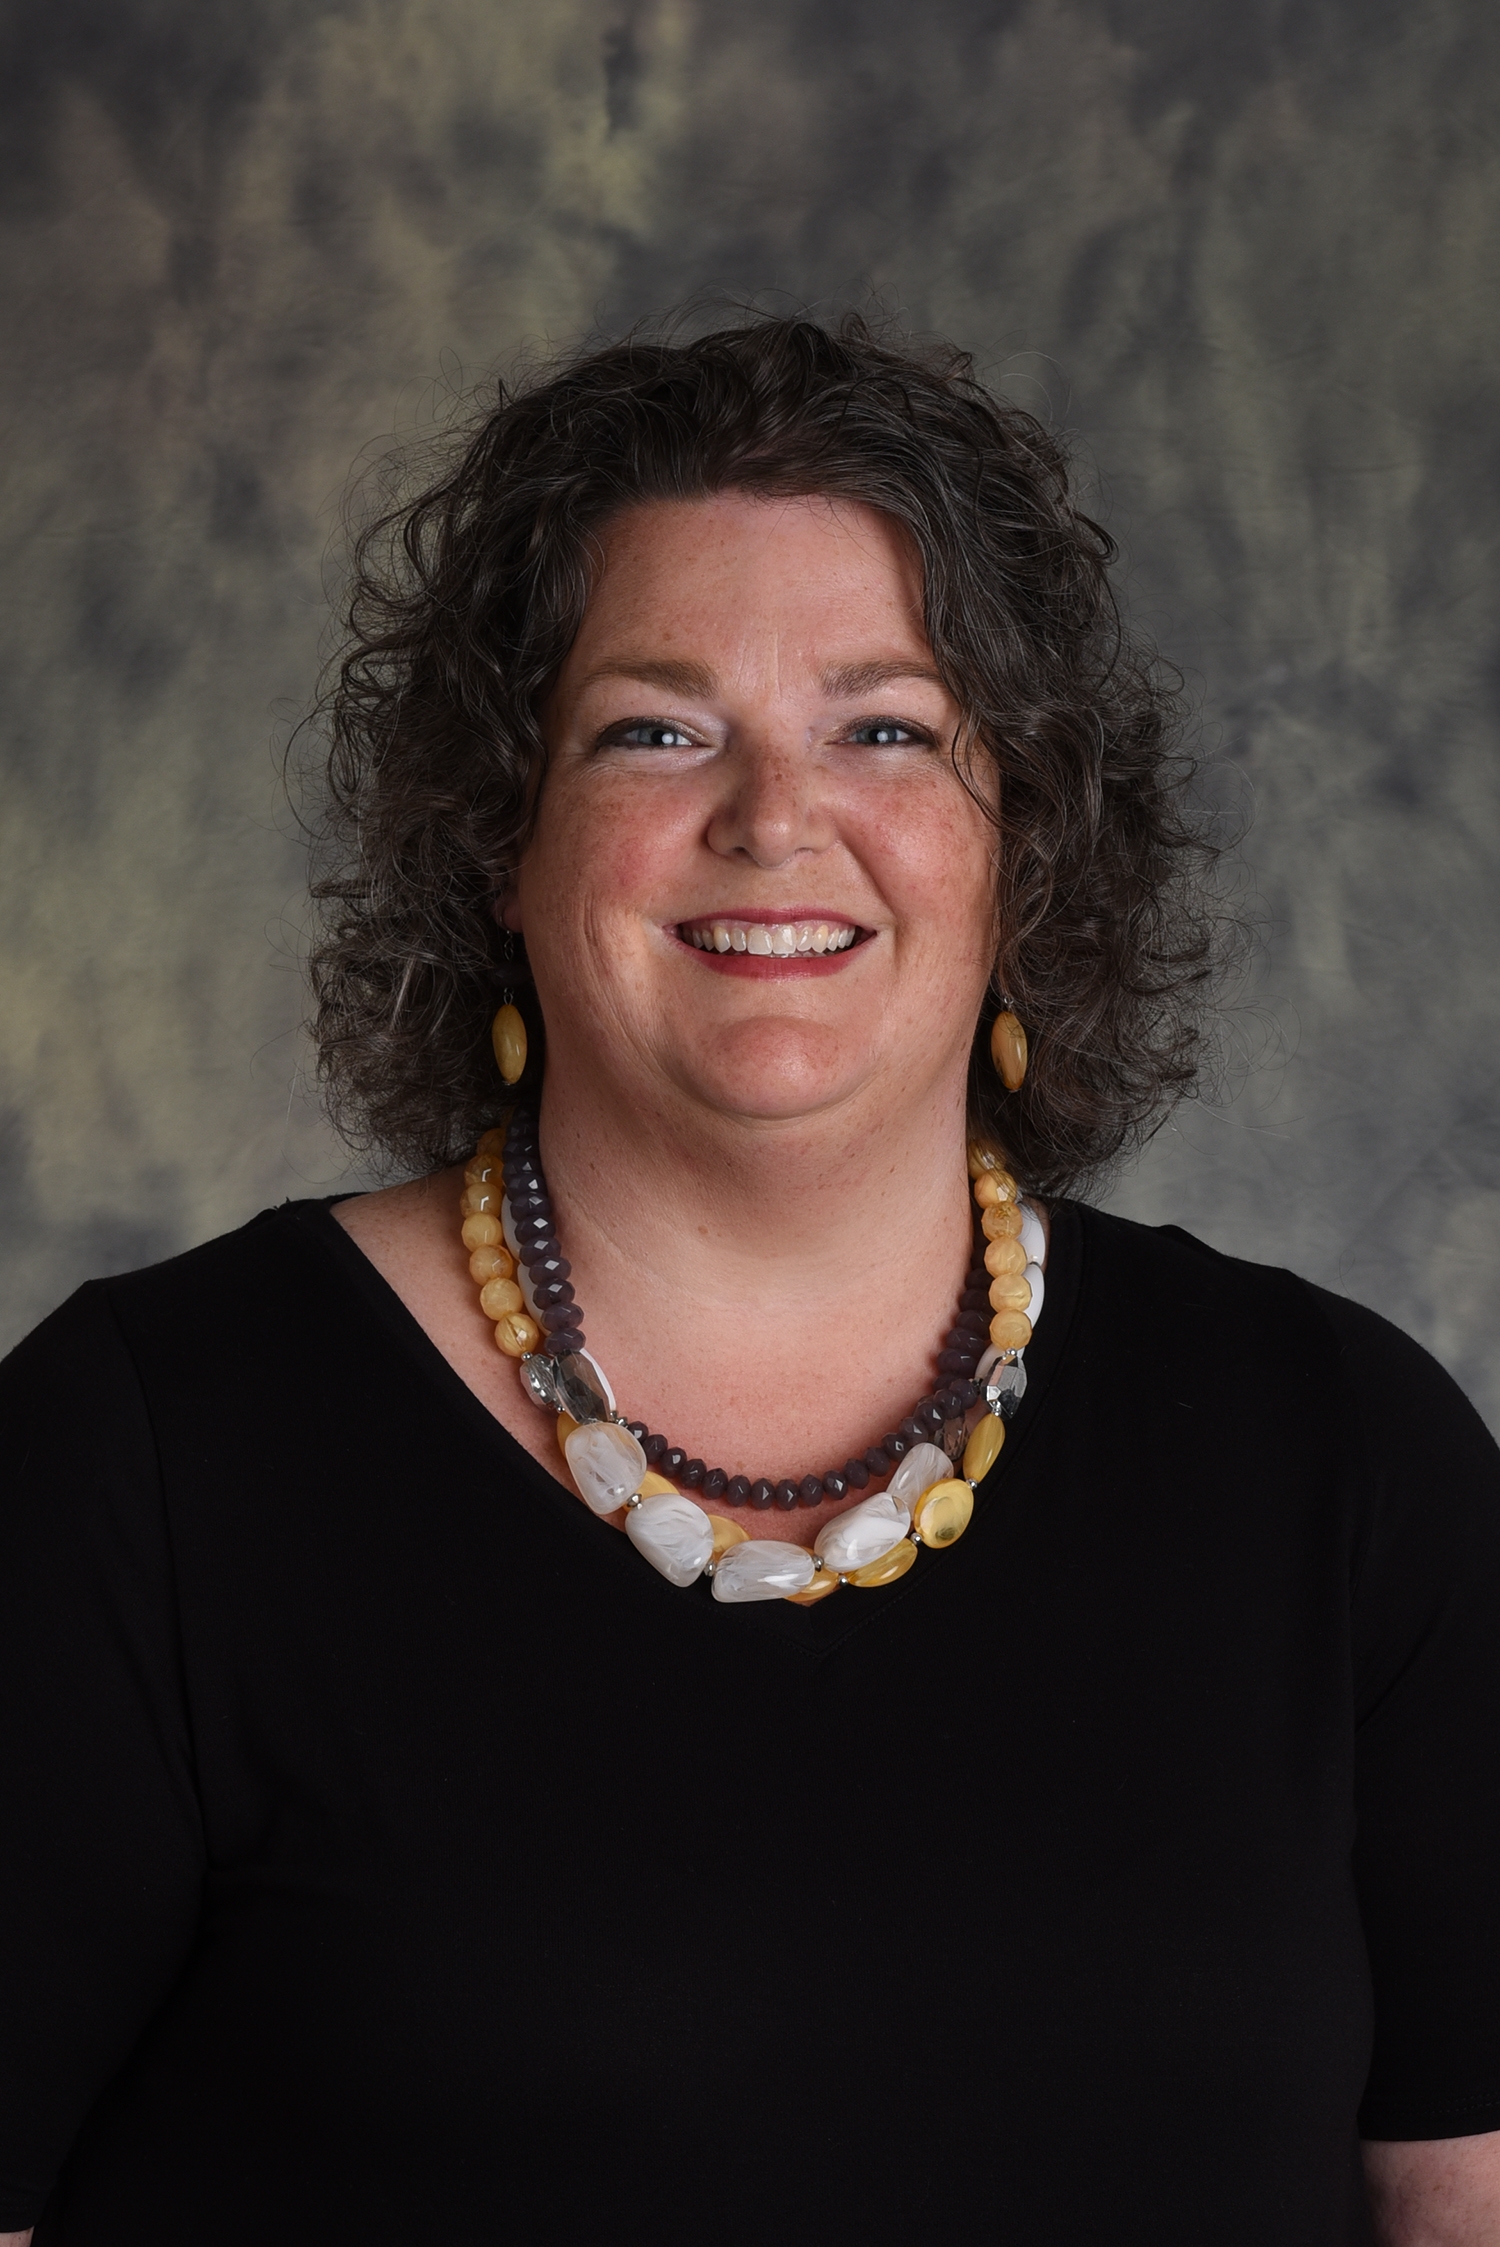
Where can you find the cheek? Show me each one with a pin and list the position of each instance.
(603, 846)
(935, 861)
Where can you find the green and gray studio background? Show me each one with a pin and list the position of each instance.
(1245, 249)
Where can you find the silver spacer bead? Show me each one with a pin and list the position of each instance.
(635, 1501)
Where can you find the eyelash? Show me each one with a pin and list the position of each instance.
(619, 736)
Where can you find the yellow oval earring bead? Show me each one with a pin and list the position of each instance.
(508, 1037)
(984, 1447)
(1008, 1050)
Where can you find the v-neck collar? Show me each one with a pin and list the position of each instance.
(817, 1630)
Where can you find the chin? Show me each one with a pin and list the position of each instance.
(774, 1072)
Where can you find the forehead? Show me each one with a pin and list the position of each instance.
(818, 572)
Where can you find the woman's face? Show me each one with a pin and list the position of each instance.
(756, 879)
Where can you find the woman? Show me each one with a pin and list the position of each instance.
(741, 740)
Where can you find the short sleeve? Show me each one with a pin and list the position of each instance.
(101, 1869)
(1426, 1654)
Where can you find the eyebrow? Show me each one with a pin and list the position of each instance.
(850, 679)
(839, 684)
(672, 678)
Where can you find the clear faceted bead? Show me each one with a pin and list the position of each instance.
(676, 1536)
(923, 1464)
(606, 1462)
(1004, 1387)
(870, 1528)
(762, 1568)
(581, 1387)
(536, 1372)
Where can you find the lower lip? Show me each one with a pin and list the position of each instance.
(762, 968)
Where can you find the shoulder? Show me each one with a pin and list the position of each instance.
(107, 1328)
(1287, 1368)
(1166, 1260)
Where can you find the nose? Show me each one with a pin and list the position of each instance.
(774, 807)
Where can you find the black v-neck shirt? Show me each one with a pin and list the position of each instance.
(390, 1855)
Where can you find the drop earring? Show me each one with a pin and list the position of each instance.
(508, 1030)
(1008, 1048)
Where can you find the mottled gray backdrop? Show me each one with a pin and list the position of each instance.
(1245, 249)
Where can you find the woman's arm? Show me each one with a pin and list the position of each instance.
(1435, 2192)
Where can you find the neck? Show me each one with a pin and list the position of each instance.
(771, 1295)
(714, 1205)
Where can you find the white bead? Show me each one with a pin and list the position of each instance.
(673, 1534)
(762, 1568)
(606, 1462)
(1038, 1285)
(868, 1529)
(923, 1465)
(1033, 1239)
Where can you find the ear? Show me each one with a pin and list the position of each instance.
(506, 908)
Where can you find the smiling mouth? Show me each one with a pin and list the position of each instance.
(779, 940)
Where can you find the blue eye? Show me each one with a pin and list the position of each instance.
(883, 733)
(646, 733)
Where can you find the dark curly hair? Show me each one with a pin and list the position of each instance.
(465, 599)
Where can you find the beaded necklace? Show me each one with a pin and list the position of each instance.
(525, 1288)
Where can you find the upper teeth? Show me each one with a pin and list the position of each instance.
(779, 939)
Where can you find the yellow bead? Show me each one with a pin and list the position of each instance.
(498, 1296)
(517, 1335)
(889, 1566)
(826, 1581)
(508, 1037)
(984, 1446)
(983, 1157)
(944, 1512)
(1008, 1051)
(995, 1187)
(492, 1143)
(1010, 1293)
(565, 1426)
(1004, 1257)
(1010, 1330)
(482, 1201)
(726, 1533)
(482, 1232)
(484, 1170)
(494, 1263)
(1001, 1223)
(654, 1485)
